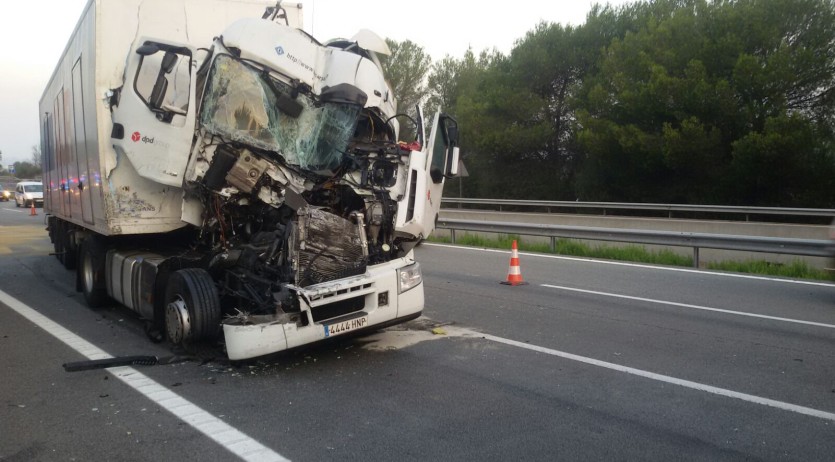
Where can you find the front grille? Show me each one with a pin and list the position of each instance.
(340, 308)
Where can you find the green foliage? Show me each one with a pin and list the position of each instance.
(723, 102)
(406, 70)
(688, 101)
(633, 253)
(795, 269)
(26, 170)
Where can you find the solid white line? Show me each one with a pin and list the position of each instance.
(639, 265)
(695, 307)
(244, 447)
(13, 210)
(463, 332)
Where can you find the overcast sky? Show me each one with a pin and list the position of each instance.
(34, 33)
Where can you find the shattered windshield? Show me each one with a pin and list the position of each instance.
(240, 105)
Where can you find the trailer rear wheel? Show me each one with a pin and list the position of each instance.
(56, 228)
(192, 307)
(70, 250)
(91, 272)
(61, 243)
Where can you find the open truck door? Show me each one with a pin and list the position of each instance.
(427, 175)
(154, 111)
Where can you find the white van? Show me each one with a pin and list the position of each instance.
(27, 193)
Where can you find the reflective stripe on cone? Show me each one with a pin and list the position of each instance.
(514, 274)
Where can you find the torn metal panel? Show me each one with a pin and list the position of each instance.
(246, 172)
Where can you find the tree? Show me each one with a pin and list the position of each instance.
(721, 102)
(406, 69)
(26, 170)
(517, 111)
(36, 156)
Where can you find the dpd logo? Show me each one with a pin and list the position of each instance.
(135, 137)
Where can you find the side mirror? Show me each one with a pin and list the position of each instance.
(343, 93)
(453, 162)
(289, 106)
(147, 49)
(450, 131)
(168, 62)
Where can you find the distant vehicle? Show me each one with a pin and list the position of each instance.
(27, 193)
(5, 194)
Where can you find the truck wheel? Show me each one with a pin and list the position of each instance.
(192, 307)
(57, 242)
(70, 256)
(91, 272)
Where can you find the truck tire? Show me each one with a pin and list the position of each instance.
(70, 255)
(91, 272)
(192, 307)
(57, 230)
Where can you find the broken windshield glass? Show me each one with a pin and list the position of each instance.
(240, 106)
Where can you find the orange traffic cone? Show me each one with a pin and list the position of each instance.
(32, 212)
(514, 274)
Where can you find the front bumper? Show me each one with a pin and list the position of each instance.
(345, 306)
(38, 201)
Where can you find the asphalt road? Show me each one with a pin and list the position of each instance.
(590, 361)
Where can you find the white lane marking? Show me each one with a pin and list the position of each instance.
(639, 265)
(695, 307)
(13, 210)
(227, 436)
(463, 332)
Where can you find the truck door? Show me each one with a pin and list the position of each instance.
(435, 160)
(441, 152)
(438, 160)
(153, 117)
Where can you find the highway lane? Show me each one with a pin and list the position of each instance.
(413, 395)
(758, 356)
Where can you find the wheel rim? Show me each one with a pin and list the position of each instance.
(177, 320)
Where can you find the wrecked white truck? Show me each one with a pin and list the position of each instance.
(217, 170)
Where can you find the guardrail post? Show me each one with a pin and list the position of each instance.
(553, 244)
(695, 257)
(452, 235)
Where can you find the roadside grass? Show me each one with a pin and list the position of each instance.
(637, 254)
(795, 269)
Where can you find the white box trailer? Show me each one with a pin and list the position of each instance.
(222, 173)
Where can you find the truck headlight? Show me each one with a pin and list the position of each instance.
(408, 277)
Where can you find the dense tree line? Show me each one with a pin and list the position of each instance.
(682, 101)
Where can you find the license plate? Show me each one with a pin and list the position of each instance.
(345, 326)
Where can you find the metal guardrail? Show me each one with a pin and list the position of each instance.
(790, 246)
(669, 208)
